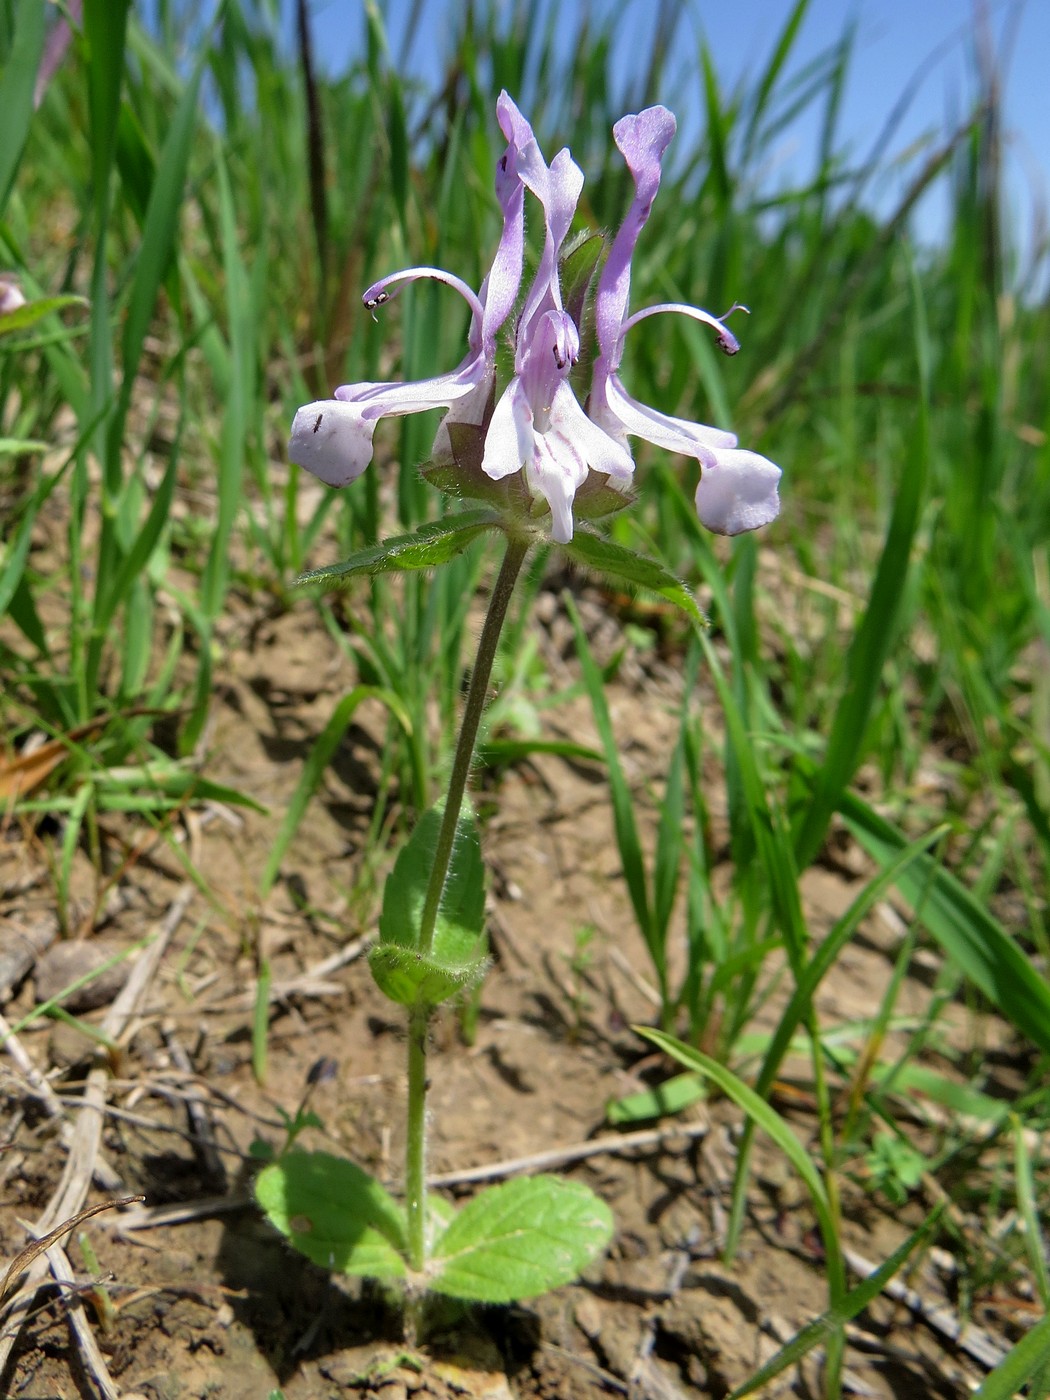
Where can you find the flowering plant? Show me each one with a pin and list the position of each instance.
(524, 452)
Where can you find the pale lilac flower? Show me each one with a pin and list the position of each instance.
(538, 430)
(333, 437)
(738, 489)
(11, 297)
(538, 424)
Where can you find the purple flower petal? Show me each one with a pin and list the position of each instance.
(332, 440)
(558, 189)
(618, 414)
(499, 290)
(378, 295)
(596, 448)
(556, 453)
(556, 471)
(642, 140)
(333, 437)
(738, 492)
(510, 440)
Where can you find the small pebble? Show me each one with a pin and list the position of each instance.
(66, 963)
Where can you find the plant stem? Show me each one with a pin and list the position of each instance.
(477, 694)
(419, 1016)
(416, 1144)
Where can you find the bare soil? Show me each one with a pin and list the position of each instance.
(214, 1303)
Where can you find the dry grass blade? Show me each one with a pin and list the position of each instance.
(68, 1197)
(19, 776)
(25, 1257)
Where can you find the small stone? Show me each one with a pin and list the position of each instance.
(67, 963)
(588, 1317)
(68, 1045)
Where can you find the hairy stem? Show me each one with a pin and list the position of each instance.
(477, 694)
(419, 1016)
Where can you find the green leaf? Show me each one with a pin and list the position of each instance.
(496, 751)
(120, 584)
(577, 271)
(410, 978)
(16, 88)
(12, 447)
(432, 544)
(105, 27)
(605, 557)
(457, 955)
(139, 787)
(521, 1239)
(1029, 1356)
(157, 244)
(25, 316)
(628, 841)
(764, 1115)
(876, 634)
(334, 1213)
(461, 913)
(668, 1098)
(961, 925)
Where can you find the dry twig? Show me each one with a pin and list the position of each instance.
(972, 1340)
(68, 1197)
(615, 1144)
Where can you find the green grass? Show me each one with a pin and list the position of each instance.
(895, 623)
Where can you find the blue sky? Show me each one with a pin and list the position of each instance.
(929, 42)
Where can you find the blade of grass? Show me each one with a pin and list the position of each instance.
(965, 930)
(1027, 1360)
(319, 759)
(627, 838)
(832, 1321)
(877, 631)
(16, 89)
(1027, 1205)
(767, 1118)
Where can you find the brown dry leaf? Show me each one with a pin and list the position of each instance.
(25, 1257)
(21, 775)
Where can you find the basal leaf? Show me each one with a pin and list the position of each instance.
(521, 1239)
(334, 1213)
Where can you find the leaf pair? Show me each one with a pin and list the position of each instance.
(512, 1241)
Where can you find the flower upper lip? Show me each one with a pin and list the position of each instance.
(737, 490)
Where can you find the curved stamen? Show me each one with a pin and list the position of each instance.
(378, 294)
(727, 341)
